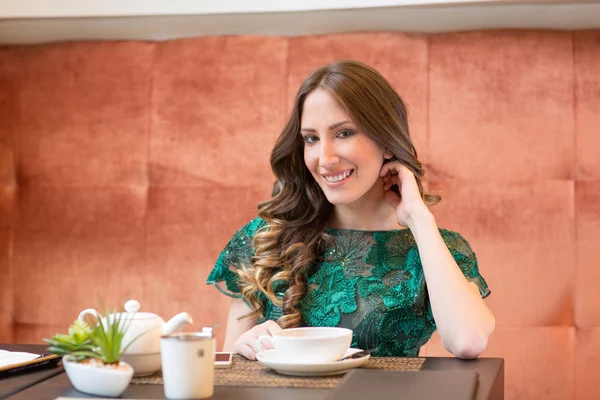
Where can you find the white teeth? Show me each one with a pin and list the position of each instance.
(337, 178)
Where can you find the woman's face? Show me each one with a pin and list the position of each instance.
(344, 161)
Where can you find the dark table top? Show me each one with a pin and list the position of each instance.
(52, 384)
(15, 383)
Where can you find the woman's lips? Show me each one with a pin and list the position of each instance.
(338, 179)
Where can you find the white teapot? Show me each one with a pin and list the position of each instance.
(146, 328)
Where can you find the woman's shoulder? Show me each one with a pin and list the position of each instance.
(455, 241)
(448, 234)
(252, 227)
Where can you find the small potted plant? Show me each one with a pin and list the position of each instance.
(91, 355)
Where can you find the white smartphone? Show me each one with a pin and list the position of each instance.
(223, 359)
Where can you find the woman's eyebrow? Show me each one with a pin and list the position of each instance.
(338, 124)
(330, 128)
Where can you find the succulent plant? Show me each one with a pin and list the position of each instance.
(108, 336)
(103, 342)
(78, 343)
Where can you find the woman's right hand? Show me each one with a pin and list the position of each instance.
(246, 343)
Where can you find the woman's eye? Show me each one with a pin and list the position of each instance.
(345, 133)
(310, 138)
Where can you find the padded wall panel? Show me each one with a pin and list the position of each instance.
(33, 333)
(500, 106)
(85, 114)
(587, 103)
(588, 253)
(74, 246)
(523, 235)
(6, 281)
(9, 112)
(587, 357)
(218, 104)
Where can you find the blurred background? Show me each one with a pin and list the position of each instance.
(135, 140)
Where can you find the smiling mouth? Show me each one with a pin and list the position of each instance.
(339, 178)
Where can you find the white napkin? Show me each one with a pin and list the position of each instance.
(15, 357)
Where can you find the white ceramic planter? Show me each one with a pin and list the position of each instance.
(106, 382)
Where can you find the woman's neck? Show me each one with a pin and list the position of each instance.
(370, 213)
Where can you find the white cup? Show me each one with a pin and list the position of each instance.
(315, 344)
(208, 331)
(187, 365)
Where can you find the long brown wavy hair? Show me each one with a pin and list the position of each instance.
(296, 216)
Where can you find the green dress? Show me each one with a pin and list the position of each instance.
(373, 284)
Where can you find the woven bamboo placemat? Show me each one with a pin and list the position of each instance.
(254, 374)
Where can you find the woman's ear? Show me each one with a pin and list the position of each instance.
(388, 155)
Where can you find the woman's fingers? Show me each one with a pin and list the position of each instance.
(266, 346)
(246, 343)
(391, 181)
(395, 168)
(390, 167)
(399, 175)
(271, 327)
(247, 351)
(405, 174)
(389, 174)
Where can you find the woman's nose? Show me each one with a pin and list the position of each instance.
(328, 156)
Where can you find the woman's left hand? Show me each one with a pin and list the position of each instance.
(409, 205)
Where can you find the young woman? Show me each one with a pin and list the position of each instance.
(347, 238)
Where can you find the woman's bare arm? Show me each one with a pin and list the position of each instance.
(235, 327)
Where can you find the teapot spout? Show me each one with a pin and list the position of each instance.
(176, 323)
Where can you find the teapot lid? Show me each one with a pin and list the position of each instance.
(132, 307)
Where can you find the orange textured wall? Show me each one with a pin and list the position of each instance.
(125, 167)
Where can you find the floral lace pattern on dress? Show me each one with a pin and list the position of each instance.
(373, 283)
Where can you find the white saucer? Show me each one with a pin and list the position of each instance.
(273, 360)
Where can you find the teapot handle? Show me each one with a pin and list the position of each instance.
(88, 311)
